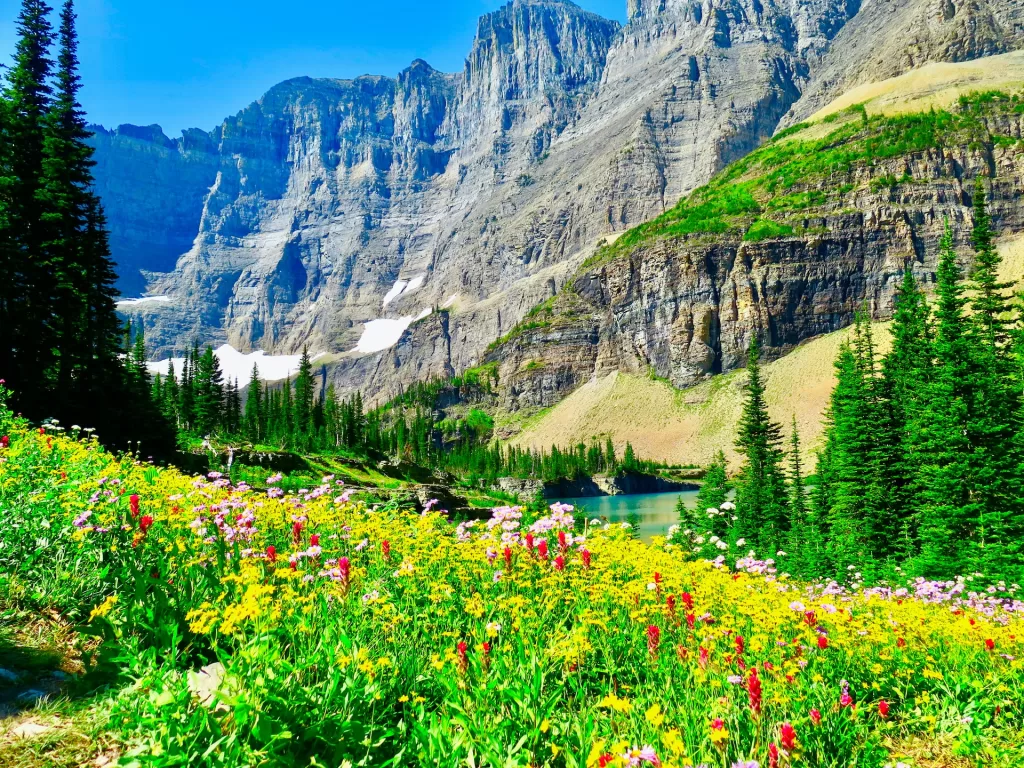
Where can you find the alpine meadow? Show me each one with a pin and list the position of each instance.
(648, 393)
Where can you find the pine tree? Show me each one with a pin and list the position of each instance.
(65, 190)
(305, 388)
(996, 486)
(905, 374)
(714, 490)
(760, 489)
(254, 407)
(945, 526)
(209, 393)
(28, 300)
(990, 302)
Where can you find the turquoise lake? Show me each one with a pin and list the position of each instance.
(655, 511)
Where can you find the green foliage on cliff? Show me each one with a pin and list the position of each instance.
(800, 171)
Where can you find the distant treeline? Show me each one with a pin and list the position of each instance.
(300, 415)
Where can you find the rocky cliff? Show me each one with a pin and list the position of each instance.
(786, 245)
(330, 204)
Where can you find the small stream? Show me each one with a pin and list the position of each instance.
(654, 511)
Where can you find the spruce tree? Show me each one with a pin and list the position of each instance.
(760, 489)
(905, 374)
(305, 388)
(945, 526)
(29, 300)
(801, 532)
(209, 393)
(65, 190)
(990, 300)
(254, 407)
(714, 489)
(996, 486)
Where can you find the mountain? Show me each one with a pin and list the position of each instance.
(336, 213)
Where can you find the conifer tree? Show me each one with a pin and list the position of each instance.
(29, 293)
(209, 392)
(714, 489)
(945, 526)
(996, 486)
(990, 301)
(760, 488)
(305, 388)
(65, 189)
(905, 374)
(254, 407)
(801, 529)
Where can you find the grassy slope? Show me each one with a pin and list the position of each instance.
(936, 85)
(688, 426)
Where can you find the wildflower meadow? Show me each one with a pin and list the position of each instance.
(251, 627)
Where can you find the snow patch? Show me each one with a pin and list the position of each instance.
(237, 365)
(403, 287)
(395, 292)
(384, 333)
(451, 300)
(128, 302)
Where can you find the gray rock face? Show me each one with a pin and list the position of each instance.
(490, 185)
(687, 308)
(890, 37)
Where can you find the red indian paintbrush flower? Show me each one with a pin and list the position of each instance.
(901, 643)
(883, 708)
(314, 540)
(816, 716)
(5, 442)
(345, 569)
(133, 502)
(559, 563)
(529, 542)
(691, 620)
(990, 644)
(653, 639)
(542, 549)
(739, 644)
(687, 600)
(704, 656)
(385, 549)
(787, 736)
(585, 556)
(562, 541)
(670, 606)
(297, 532)
(272, 553)
(463, 651)
(145, 523)
(810, 618)
(508, 557)
(754, 691)
(822, 642)
(773, 756)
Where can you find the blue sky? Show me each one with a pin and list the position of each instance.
(190, 63)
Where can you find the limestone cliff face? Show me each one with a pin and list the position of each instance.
(890, 37)
(483, 190)
(685, 308)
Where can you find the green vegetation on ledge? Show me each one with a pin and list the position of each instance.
(755, 198)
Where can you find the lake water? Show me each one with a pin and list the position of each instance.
(655, 511)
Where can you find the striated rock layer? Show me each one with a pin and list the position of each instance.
(331, 203)
(683, 308)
